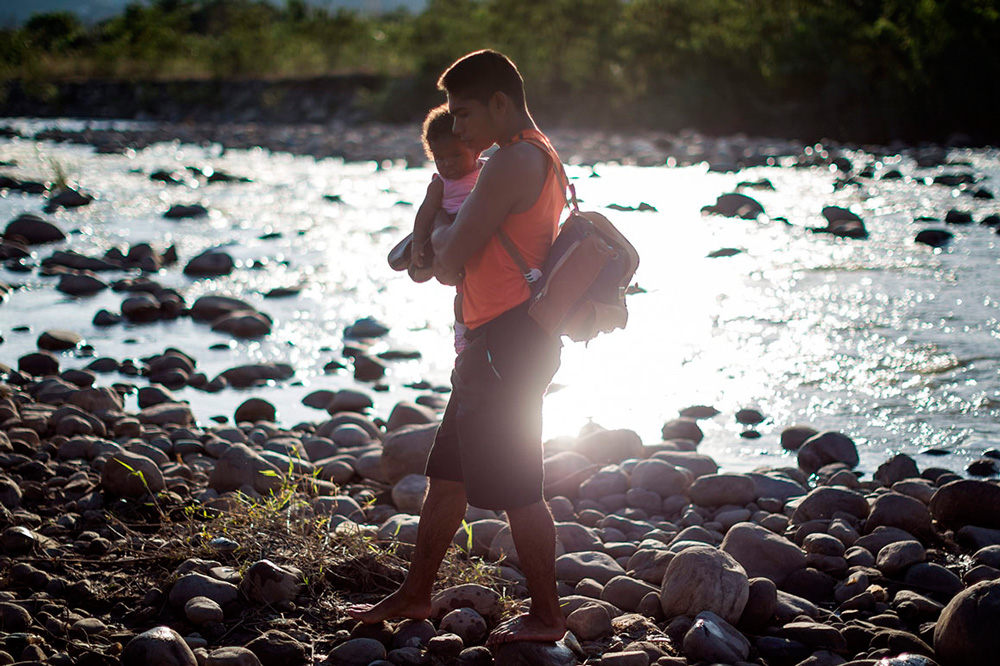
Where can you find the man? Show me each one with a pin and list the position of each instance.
(487, 451)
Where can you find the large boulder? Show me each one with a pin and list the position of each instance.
(734, 204)
(610, 446)
(698, 463)
(822, 503)
(966, 632)
(160, 646)
(131, 475)
(713, 640)
(703, 578)
(661, 477)
(240, 466)
(967, 502)
(762, 553)
(574, 567)
(405, 451)
(719, 489)
(33, 230)
(210, 263)
(826, 448)
(897, 510)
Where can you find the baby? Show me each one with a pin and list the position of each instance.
(458, 167)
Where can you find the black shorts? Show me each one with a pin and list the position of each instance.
(491, 435)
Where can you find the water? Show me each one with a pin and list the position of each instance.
(894, 343)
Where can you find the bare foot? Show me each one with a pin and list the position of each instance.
(527, 627)
(395, 605)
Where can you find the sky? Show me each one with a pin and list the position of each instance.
(16, 12)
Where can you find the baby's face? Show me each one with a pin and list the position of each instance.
(453, 158)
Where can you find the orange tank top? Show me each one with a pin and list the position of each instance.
(493, 283)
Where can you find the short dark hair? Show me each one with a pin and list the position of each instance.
(480, 74)
(438, 124)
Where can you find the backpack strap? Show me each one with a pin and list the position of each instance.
(568, 188)
(533, 275)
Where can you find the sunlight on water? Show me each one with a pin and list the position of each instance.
(893, 343)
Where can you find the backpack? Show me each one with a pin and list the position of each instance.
(580, 289)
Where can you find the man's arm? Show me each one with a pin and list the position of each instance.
(511, 182)
(423, 223)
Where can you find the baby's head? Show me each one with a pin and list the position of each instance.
(452, 158)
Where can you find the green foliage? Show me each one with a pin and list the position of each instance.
(862, 68)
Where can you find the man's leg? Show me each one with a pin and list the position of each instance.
(535, 540)
(442, 514)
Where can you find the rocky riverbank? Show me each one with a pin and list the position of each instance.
(141, 538)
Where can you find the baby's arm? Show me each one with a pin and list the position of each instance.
(442, 221)
(423, 224)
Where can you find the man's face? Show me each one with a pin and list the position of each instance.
(474, 124)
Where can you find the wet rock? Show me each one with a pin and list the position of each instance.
(896, 469)
(589, 622)
(245, 376)
(481, 599)
(59, 340)
(405, 451)
(131, 475)
(761, 553)
(161, 646)
(967, 502)
(80, 283)
(33, 230)
(719, 489)
(350, 400)
(243, 325)
(210, 308)
(253, 410)
(38, 364)
(934, 237)
(712, 639)
(240, 466)
(735, 205)
(180, 211)
(267, 583)
(210, 263)
(703, 578)
(465, 623)
(825, 448)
